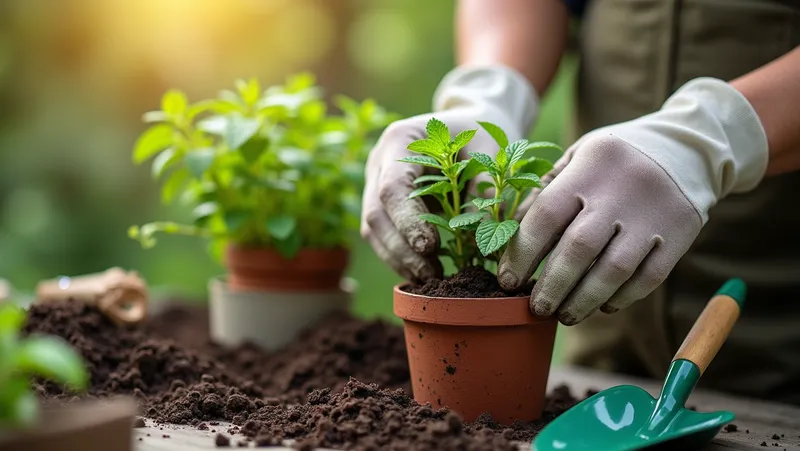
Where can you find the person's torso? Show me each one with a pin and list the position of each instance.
(634, 54)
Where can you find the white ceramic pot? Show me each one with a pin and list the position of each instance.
(270, 319)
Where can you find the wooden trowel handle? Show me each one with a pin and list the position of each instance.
(713, 325)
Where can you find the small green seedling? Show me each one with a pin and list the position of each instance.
(48, 357)
(260, 167)
(481, 227)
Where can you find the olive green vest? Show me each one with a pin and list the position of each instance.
(634, 54)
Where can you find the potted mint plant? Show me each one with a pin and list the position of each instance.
(275, 182)
(27, 425)
(471, 346)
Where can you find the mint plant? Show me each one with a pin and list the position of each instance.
(48, 357)
(261, 168)
(481, 227)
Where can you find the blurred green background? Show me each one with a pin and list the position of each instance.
(76, 76)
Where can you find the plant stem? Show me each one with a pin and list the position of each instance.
(457, 211)
(515, 205)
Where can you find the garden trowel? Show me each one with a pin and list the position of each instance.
(626, 418)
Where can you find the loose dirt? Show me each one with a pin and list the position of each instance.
(343, 384)
(471, 282)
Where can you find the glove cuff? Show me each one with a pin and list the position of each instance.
(494, 87)
(707, 137)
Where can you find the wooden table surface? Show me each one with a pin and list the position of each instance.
(761, 419)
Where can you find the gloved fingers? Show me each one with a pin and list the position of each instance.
(383, 229)
(615, 265)
(538, 233)
(383, 254)
(572, 257)
(559, 166)
(651, 273)
(394, 184)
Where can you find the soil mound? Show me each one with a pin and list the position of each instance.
(342, 384)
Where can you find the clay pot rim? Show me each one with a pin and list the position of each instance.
(505, 311)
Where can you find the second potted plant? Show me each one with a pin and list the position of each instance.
(472, 347)
(275, 182)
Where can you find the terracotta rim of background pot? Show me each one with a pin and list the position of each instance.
(477, 355)
(263, 268)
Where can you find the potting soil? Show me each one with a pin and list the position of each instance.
(343, 384)
(471, 282)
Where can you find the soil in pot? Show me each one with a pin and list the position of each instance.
(471, 282)
(304, 392)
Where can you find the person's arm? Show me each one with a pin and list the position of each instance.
(774, 92)
(527, 35)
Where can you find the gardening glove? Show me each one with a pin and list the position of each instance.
(390, 220)
(626, 201)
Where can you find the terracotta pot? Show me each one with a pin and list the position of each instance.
(81, 426)
(477, 356)
(264, 268)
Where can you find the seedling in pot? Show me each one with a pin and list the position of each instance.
(267, 168)
(481, 225)
(22, 358)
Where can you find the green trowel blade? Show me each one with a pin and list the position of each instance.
(619, 419)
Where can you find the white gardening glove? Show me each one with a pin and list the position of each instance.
(628, 200)
(390, 221)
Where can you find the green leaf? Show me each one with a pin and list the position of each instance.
(18, 404)
(466, 219)
(153, 140)
(492, 235)
(249, 90)
(483, 204)
(52, 358)
(430, 178)
(438, 132)
(496, 133)
(253, 148)
(198, 161)
(535, 165)
(435, 220)
(280, 227)
(234, 220)
(469, 171)
(155, 116)
(427, 147)
(239, 130)
(516, 151)
(12, 318)
(289, 247)
(462, 139)
(163, 161)
(173, 184)
(174, 103)
(485, 161)
(525, 180)
(205, 210)
(545, 149)
(436, 188)
(501, 159)
(216, 125)
(424, 161)
(483, 186)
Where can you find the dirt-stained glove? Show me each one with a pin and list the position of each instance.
(390, 221)
(629, 199)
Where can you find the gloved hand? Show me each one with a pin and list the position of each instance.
(390, 221)
(626, 201)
